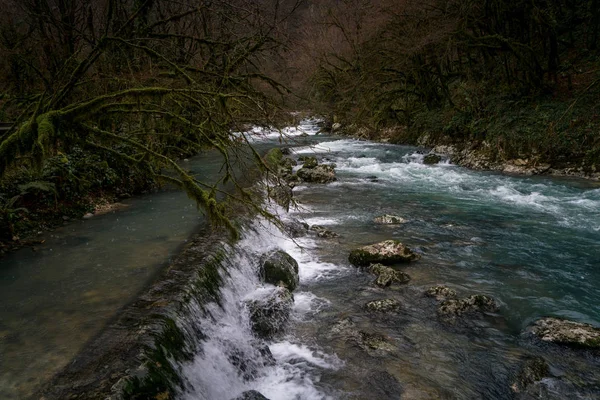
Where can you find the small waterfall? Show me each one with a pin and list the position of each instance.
(229, 360)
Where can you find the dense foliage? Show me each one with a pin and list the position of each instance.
(522, 75)
(108, 95)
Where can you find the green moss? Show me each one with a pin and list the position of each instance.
(273, 157)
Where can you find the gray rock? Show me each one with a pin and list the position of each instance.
(317, 174)
(279, 268)
(388, 219)
(441, 293)
(387, 252)
(565, 332)
(431, 159)
(367, 341)
(383, 306)
(386, 276)
(477, 303)
(270, 314)
(336, 127)
(323, 232)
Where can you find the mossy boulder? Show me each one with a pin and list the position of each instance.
(387, 252)
(441, 293)
(388, 219)
(431, 159)
(270, 313)
(318, 174)
(280, 269)
(383, 306)
(308, 162)
(386, 276)
(477, 303)
(565, 332)
(533, 370)
(295, 228)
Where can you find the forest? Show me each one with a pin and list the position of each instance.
(100, 100)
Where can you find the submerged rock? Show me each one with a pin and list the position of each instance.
(367, 341)
(570, 333)
(441, 293)
(387, 276)
(280, 269)
(270, 314)
(251, 395)
(477, 303)
(388, 219)
(532, 370)
(295, 228)
(323, 232)
(317, 174)
(383, 306)
(431, 159)
(387, 252)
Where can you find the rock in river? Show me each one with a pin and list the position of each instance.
(280, 269)
(318, 174)
(251, 395)
(477, 303)
(387, 252)
(441, 293)
(532, 370)
(432, 158)
(383, 306)
(270, 313)
(323, 232)
(388, 219)
(387, 276)
(570, 333)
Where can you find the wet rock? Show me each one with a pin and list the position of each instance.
(383, 306)
(388, 219)
(250, 362)
(323, 232)
(441, 293)
(280, 269)
(308, 162)
(386, 276)
(251, 395)
(282, 195)
(532, 370)
(387, 252)
(477, 303)
(431, 159)
(270, 314)
(317, 174)
(295, 228)
(565, 332)
(336, 127)
(286, 151)
(374, 341)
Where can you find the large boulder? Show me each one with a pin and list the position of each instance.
(565, 332)
(386, 276)
(308, 162)
(279, 268)
(477, 303)
(387, 252)
(383, 306)
(318, 174)
(388, 219)
(270, 313)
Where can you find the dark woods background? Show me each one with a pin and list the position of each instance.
(107, 95)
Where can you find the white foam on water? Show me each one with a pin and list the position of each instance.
(307, 304)
(322, 221)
